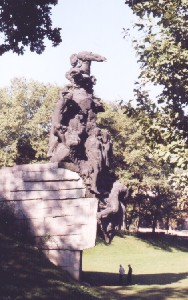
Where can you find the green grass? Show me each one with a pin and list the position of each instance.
(160, 271)
(160, 267)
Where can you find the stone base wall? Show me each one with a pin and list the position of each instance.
(68, 260)
(52, 201)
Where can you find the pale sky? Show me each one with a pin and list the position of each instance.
(87, 25)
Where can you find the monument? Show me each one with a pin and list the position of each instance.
(61, 202)
(77, 143)
(75, 139)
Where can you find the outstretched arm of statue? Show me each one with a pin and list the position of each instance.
(90, 56)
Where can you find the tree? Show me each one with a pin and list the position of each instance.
(25, 113)
(27, 23)
(166, 140)
(163, 53)
(137, 163)
(134, 160)
(158, 210)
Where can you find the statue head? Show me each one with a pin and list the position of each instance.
(97, 131)
(66, 93)
(74, 60)
(105, 136)
(93, 79)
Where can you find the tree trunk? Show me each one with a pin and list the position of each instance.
(153, 227)
(154, 223)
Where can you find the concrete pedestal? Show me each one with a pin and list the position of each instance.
(52, 201)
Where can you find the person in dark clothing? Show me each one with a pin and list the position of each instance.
(129, 275)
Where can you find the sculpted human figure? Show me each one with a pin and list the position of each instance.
(57, 129)
(80, 71)
(97, 105)
(91, 121)
(113, 200)
(77, 124)
(74, 131)
(94, 155)
(112, 208)
(106, 148)
(83, 100)
(83, 60)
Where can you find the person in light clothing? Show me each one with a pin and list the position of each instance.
(121, 274)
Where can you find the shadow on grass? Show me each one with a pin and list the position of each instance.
(153, 293)
(164, 241)
(27, 274)
(160, 294)
(111, 279)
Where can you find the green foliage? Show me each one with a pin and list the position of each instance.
(134, 159)
(144, 147)
(147, 153)
(163, 53)
(25, 115)
(162, 49)
(168, 142)
(27, 23)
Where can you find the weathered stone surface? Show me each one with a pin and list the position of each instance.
(32, 167)
(53, 175)
(55, 195)
(46, 185)
(68, 206)
(70, 261)
(45, 175)
(70, 242)
(33, 211)
(55, 208)
(65, 220)
(8, 179)
(71, 224)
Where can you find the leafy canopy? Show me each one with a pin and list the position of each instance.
(163, 52)
(134, 161)
(25, 113)
(137, 161)
(27, 23)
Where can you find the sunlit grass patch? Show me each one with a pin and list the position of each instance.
(159, 267)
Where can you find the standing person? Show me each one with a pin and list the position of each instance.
(121, 273)
(129, 275)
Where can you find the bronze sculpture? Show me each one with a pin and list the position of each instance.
(77, 142)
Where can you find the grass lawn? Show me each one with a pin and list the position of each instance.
(160, 271)
(160, 267)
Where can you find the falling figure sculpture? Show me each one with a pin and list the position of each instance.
(113, 201)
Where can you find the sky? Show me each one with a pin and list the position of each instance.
(87, 25)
